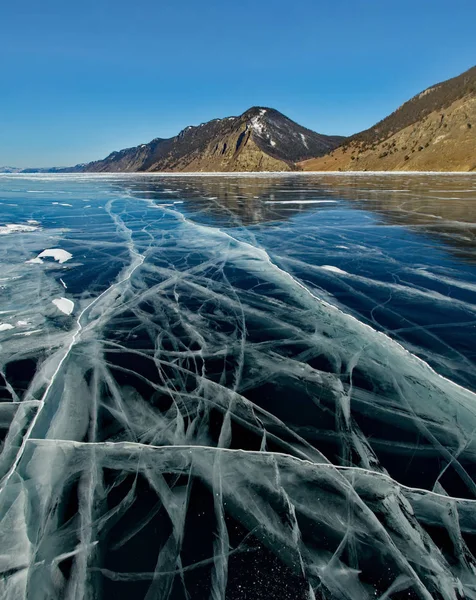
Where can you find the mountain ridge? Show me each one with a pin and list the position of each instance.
(260, 139)
(433, 131)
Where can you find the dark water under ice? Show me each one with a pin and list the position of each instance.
(238, 388)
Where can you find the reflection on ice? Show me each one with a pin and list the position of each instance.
(247, 401)
(300, 201)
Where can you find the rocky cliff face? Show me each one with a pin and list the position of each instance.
(261, 139)
(434, 131)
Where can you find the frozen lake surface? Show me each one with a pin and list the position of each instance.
(238, 388)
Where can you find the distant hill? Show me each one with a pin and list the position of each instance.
(10, 170)
(261, 139)
(33, 170)
(434, 131)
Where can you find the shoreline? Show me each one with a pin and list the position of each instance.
(239, 174)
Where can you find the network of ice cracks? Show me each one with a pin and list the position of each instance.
(204, 428)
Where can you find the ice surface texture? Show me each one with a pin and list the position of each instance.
(265, 389)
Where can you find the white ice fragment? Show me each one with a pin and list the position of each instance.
(36, 260)
(334, 269)
(65, 305)
(16, 228)
(6, 326)
(57, 253)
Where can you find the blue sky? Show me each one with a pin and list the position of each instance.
(80, 79)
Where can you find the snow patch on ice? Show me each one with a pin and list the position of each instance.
(6, 326)
(35, 261)
(16, 228)
(65, 305)
(334, 269)
(56, 253)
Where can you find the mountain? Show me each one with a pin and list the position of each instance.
(10, 170)
(34, 170)
(261, 139)
(434, 131)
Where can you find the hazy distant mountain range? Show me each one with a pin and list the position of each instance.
(434, 131)
(10, 170)
(36, 170)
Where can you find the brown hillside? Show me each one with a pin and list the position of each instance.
(434, 131)
(261, 139)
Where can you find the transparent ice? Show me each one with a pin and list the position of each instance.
(266, 388)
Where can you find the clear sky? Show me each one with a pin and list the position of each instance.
(81, 78)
